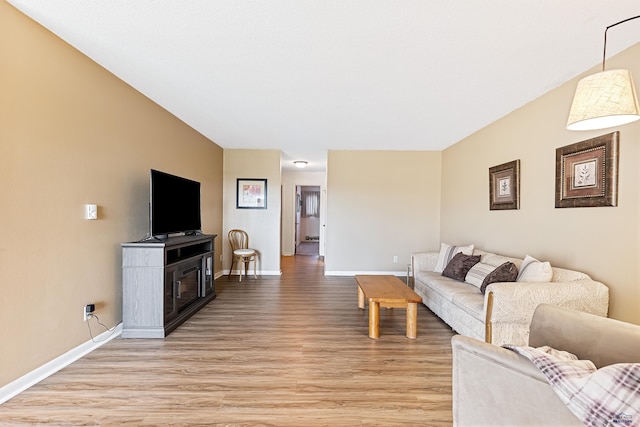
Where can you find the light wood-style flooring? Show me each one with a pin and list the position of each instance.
(277, 351)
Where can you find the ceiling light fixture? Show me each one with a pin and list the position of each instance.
(604, 99)
(301, 164)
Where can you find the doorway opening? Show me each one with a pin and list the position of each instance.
(307, 220)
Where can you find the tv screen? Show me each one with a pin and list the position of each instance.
(175, 204)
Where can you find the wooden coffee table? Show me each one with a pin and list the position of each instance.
(388, 292)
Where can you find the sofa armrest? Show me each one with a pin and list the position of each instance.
(509, 306)
(515, 302)
(575, 332)
(424, 261)
(498, 387)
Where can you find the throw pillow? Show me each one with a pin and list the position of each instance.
(478, 272)
(460, 265)
(507, 272)
(446, 254)
(532, 270)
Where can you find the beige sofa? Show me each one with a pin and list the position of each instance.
(503, 314)
(493, 386)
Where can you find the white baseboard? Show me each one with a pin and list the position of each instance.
(270, 273)
(258, 273)
(375, 273)
(24, 382)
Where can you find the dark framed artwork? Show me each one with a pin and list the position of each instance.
(251, 193)
(504, 186)
(587, 172)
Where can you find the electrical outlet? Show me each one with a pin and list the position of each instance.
(87, 311)
(395, 258)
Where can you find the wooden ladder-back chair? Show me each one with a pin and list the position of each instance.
(241, 253)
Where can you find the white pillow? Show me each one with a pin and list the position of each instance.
(532, 270)
(447, 252)
(478, 272)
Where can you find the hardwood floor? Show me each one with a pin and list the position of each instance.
(277, 351)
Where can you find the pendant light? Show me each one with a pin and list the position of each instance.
(604, 99)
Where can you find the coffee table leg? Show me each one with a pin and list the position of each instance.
(360, 298)
(412, 320)
(374, 319)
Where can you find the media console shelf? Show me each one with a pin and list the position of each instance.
(164, 283)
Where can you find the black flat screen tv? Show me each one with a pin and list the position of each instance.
(175, 205)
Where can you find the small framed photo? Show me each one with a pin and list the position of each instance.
(251, 193)
(587, 172)
(504, 186)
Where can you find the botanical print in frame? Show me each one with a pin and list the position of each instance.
(504, 186)
(587, 172)
(251, 193)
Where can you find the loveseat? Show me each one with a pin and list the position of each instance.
(502, 314)
(494, 386)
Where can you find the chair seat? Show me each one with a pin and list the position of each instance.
(244, 252)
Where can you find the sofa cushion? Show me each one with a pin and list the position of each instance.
(447, 252)
(460, 265)
(532, 270)
(507, 272)
(477, 273)
(445, 287)
(470, 303)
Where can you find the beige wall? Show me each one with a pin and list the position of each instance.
(72, 133)
(602, 242)
(262, 225)
(380, 204)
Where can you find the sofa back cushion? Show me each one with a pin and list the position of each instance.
(490, 261)
(495, 260)
(563, 275)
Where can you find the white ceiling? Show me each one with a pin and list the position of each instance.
(306, 76)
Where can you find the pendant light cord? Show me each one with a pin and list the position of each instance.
(604, 54)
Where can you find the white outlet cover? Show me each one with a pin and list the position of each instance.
(90, 211)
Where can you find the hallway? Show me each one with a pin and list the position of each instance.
(308, 248)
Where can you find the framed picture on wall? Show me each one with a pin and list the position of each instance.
(504, 186)
(251, 193)
(587, 172)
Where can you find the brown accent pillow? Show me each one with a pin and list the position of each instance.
(460, 265)
(507, 272)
